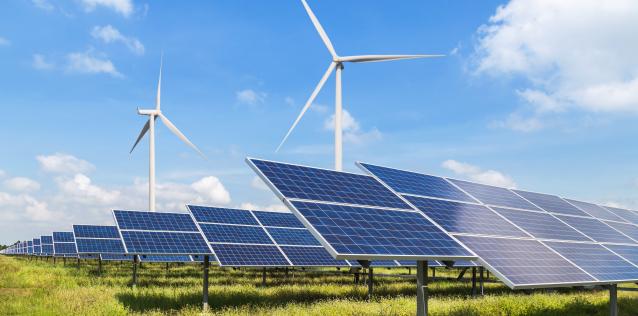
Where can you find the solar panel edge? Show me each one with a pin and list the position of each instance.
(272, 239)
(199, 228)
(119, 231)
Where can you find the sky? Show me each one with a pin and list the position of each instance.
(537, 95)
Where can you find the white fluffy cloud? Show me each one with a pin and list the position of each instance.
(269, 208)
(64, 163)
(123, 7)
(21, 184)
(43, 5)
(23, 206)
(80, 189)
(352, 132)
(87, 63)
(40, 63)
(250, 97)
(211, 189)
(258, 183)
(208, 190)
(491, 177)
(4, 41)
(109, 34)
(575, 54)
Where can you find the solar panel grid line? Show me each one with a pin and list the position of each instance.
(119, 231)
(199, 228)
(272, 239)
(627, 229)
(594, 210)
(550, 203)
(500, 197)
(608, 247)
(595, 229)
(633, 238)
(628, 215)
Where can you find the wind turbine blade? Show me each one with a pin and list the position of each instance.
(144, 130)
(377, 58)
(179, 134)
(331, 68)
(320, 29)
(159, 84)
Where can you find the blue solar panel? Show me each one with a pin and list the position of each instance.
(156, 258)
(525, 263)
(250, 255)
(541, 225)
(628, 215)
(492, 195)
(465, 218)
(376, 232)
(297, 182)
(311, 256)
(46, 240)
(219, 233)
(150, 242)
(63, 237)
(628, 252)
(551, 203)
(597, 261)
(47, 249)
(627, 229)
(595, 210)
(416, 183)
(277, 219)
(116, 257)
(37, 249)
(87, 245)
(595, 229)
(95, 231)
(64, 248)
(204, 214)
(36, 241)
(296, 237)
(155, 221)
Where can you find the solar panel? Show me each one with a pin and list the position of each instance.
(157, 258)
(457, 217)
(30, 247)
(96, 239)
(417, 184)
(115, 257)
(366, 229)
(37, 247)
(298, 182)
(595, 229)
(597, 261)
(541, 225)
(155, 233)
(628, 215)
(627, 229)
(46, 243)
(551, 203)
(268, 245)
(525, 263)
(628, 252)
(492, 195)
(595, 210)
(63, 244)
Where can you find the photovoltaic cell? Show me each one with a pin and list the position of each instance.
(64, 248)
(465, 218)
(417, 184)
(96, 246)
(95, 231)
(47, 249)
(159, 258)
(378, 232)
(155, 221)
(150, 242)
(218, 233)
(595, 229)
(595, 210)
(298, 182)
(492, 195)
(597, 261)
(311, 256)
(63, 237)
(628, 215)
(46, 240)
(525, 263)
(277, 219)
(628, 252)
(250, 255)
(541, 225)
(627, 229)
(298, 237)
(203, 214)
(551, 203)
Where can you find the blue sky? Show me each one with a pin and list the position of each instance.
(537, 95)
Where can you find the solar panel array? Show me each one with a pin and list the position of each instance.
(355, 217)
(96, 239)
(527, 239)
(64, 244)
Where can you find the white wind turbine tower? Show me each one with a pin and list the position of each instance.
(337, 63)
(150, 126)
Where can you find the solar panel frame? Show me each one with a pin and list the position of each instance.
(595, 229)
(595, 210)
(628, 215)
(550, 203)
(542, 225)
(288, 201)
(97, 239)
(64, 244)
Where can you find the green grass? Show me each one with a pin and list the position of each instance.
(30, 287)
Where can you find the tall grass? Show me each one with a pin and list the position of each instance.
(32, 287)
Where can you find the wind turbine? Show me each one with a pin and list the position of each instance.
(150, 127)
(337, 63)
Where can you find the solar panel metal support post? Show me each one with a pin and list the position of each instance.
(366, 265)
(473, 281)
(136, 259)
(421, 288)
(433, 273)
(481, 281)
(99, 265)
(263, 277)
(205, 290)
(613, 300)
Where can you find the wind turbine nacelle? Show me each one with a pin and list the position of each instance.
(147, 112)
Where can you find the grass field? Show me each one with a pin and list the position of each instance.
(40, 288)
